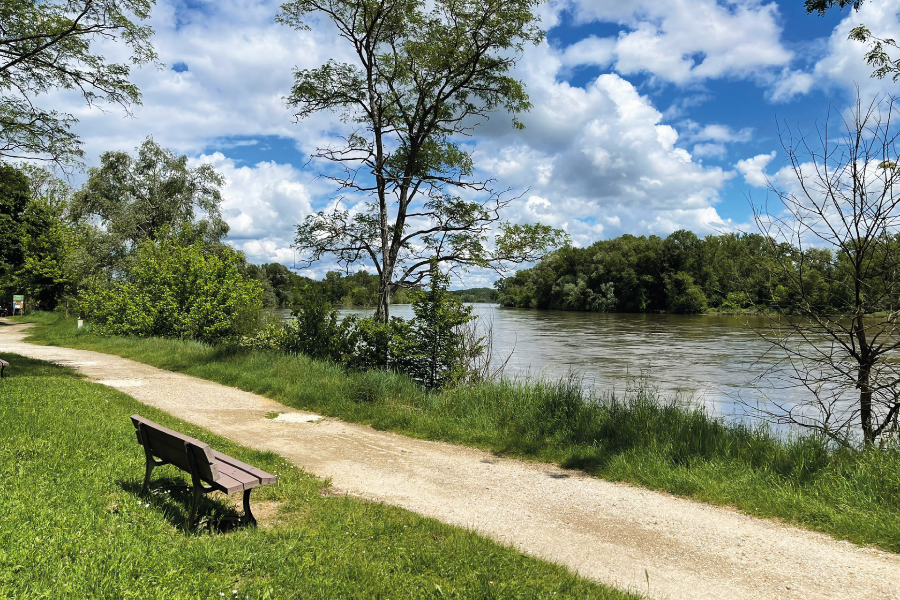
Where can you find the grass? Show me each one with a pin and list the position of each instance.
(641, 439)
(74, 525)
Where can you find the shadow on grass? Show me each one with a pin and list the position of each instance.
(173, 497)
(21, 366)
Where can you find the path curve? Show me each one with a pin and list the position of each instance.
(609, 532)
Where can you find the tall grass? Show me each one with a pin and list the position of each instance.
(638, 438)
(74, 525)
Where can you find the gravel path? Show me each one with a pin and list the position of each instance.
(653, 543)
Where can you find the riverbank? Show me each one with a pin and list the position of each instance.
(638, 439)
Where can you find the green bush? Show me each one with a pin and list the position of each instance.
(178, 291)
(432, 348)
(314, 330)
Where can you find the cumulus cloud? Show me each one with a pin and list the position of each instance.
(262, 204)
(682, 41)
(600, 159)
(842, 63)
(753, 169)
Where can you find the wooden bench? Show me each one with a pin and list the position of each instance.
(3, 365)
(210, 470)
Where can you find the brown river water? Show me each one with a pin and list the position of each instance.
(715, 360)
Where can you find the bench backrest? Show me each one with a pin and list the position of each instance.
(176, 448)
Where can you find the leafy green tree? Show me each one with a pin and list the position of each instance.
(142, 197)
(128, 200)
(34, 244)
(45, 276)
(50, 44)
(179, 291)
(424, 74)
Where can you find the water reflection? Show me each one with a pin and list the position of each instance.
(711, 358)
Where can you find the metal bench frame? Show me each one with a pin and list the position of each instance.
(210, 470)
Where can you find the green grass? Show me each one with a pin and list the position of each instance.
(74, 526)
(641, 439)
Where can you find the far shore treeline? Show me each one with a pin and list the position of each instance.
(681, 273)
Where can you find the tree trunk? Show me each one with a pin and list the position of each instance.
(865, 405)
(382, 311)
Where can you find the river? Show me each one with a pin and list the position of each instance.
(710, 359)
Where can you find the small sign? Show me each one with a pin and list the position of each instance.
(18, 303)
(18, 298)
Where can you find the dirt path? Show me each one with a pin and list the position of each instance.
(609, 532)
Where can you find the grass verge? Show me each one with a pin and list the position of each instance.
(659, 444)
(74, 525)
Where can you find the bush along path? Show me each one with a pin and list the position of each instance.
(659, 545)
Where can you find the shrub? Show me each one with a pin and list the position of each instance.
(178, 292)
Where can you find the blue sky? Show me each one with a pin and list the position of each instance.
(649, 115)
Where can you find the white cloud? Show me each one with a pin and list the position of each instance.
(843, 64)
(708, 150)
(262, 205)
(600, 160)
(753, 169)
(790, 84)
(682, 41)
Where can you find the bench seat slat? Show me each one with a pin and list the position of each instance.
(228, 484)
(264, 478)
(246, 480)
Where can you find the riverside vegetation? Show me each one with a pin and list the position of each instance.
(74, 525)
(640, 438)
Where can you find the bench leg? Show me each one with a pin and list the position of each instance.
(198, 492)
(146, 487)
(248, 514)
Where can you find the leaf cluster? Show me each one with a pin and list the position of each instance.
(46, 45)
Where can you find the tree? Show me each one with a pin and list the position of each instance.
(134, 199)
(47, 44)
(179, 290)
(877, 57)
(836, 320)
(423, 80)
(34, 243)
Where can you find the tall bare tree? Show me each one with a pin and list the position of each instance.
(836, 325)
(423, 78)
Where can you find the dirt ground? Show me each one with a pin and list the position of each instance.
(656, 544)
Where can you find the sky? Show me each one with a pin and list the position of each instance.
(648, 116)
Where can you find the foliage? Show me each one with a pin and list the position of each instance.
(314, 331)
(838, 316)
(154, 193)
(34, 244)
(435, 352)
(680, 273)
(180, 291)
(128, 200)
(431, 348)
(47, 45)
(637, 437)
(424, 74)
(476, 295)
(75, 526)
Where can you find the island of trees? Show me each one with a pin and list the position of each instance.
(681, 273)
